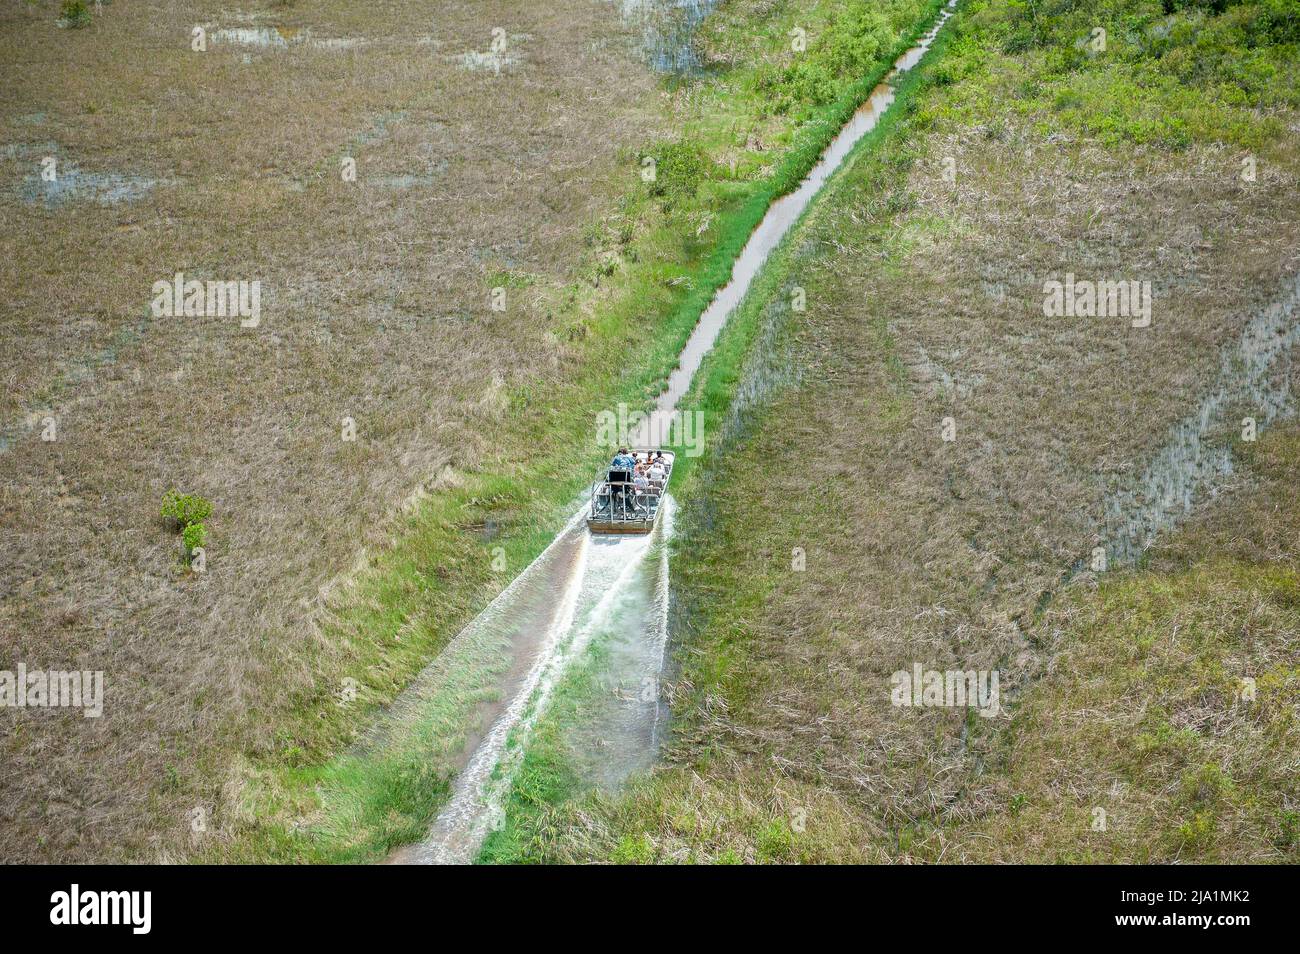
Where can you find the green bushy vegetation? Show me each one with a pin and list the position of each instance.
(680, 168)
(185, 509)
(1163, 73)
(851, 45)
(74, 14)
(187, 513)
(194, 536)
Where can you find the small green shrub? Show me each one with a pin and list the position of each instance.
(194, 535)
(680, 168)
(185, 509)
(74, 14)
(188, 511)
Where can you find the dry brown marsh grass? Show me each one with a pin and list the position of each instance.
(375, 307)
(925, 551)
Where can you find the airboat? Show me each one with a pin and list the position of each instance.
(622, 504)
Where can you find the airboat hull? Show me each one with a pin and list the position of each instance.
(618, 526)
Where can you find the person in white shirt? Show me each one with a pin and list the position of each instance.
(656, 472)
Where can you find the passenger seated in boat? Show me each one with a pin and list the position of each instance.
(644, 491)
(656, 472)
